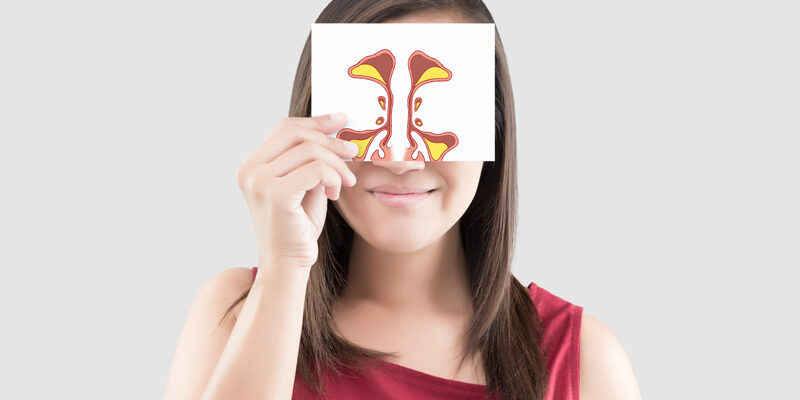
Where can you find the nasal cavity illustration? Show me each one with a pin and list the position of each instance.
(379, 68)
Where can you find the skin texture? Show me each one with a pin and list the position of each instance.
(407, 291)
(606, 371)
(407, 268)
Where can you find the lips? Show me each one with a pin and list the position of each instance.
(379, 68)
(401, 200)
(397, 189)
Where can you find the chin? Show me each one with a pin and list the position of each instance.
(398, 239)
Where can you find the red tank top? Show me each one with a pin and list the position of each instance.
(561, 320)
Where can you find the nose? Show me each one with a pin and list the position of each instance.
(399, 167)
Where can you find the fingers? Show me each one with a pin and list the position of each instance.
(292, 131)
(299, 148)
(327, 123)
(309, 176)
(303, 154)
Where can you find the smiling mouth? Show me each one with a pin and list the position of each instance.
(400, 199)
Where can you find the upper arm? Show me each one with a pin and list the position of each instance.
(605, 371)
(201, 340)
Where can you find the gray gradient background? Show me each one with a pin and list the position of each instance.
(658, 179)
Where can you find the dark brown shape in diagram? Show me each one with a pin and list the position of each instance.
(378, 68)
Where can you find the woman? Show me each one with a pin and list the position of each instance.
(370, 296)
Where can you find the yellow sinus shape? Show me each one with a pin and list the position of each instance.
(436, 149)
(369, 71)
(362, 146)
(433, 73)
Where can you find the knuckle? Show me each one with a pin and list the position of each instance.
(262, 192)
(317, 122)
(308, 147)
(261, 189)
(250, 185)
(246, 185)
(287, 122)
(317, 166)
(337, 179)
(304, 135)
(335, 144)
(241, 175)
(249, 182)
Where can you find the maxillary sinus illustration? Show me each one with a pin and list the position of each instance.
(379, 68)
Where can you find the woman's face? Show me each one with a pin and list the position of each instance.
(403, 223)
(400, 223)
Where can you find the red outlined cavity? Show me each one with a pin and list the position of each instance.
(378, 68)
(422, 69)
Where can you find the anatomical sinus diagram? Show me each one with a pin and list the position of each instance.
(423, 69)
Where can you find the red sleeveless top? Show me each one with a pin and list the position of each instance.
(561, 320)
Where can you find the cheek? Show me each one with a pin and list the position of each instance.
(458, 197)
(461, 197)
(349, 199)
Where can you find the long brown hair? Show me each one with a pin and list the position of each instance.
(505, 326)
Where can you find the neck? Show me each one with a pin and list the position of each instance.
(432, 278)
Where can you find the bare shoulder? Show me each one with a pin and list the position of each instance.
(605, 370)
(203, 338)
(222, 289)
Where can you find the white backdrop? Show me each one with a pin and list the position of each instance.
(658, 156)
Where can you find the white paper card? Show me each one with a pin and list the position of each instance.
(411, 91)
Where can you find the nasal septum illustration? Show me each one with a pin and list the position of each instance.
(379, 68)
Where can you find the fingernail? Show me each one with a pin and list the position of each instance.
(338, 117)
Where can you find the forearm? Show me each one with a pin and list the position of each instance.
(260, 357)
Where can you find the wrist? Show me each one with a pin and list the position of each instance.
(283, 268)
